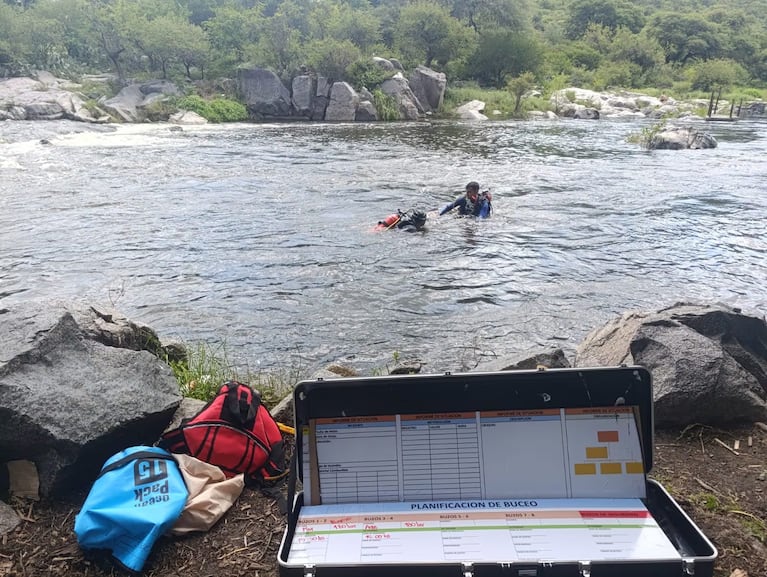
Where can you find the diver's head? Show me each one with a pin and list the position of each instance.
(419, 219)
(472, 191)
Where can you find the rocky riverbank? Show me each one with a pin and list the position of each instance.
(79, 383)
(411, 96)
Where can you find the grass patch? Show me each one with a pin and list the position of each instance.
(207, 367)
(755, 525)
(645, 137)
(386, 106)
(216, 110)
(500, 100)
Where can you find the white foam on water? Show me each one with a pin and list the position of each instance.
(10, 163)
(138, 135)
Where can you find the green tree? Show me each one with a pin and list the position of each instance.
(581, 55)
(10, 30)
(518, 86)
(483, 15)
(199, 11)
(296, 16)
(502, 53)
(361, 27)
(231, 31)
(599, 37)
(426, 33)
(193, 50)
(115, 25)
(279, 47)
(714, 74)
(611, 14)
(388, 14)
(331, 58)
(168, 39)
(78, 40)
(340, 21)
(684, 36)
(741, 36)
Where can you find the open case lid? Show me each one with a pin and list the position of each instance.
(521, 473)
(624, 387)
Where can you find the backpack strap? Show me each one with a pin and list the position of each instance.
(241, 405)
(174, 441)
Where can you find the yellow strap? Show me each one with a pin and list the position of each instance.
(286, 429)
(399, 218)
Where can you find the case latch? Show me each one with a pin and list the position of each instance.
(585, 568)
(468, 569)
(308, 570)
(689, 566)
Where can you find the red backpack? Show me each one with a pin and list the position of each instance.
(235, 432)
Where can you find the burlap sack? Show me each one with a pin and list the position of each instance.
(211, 494)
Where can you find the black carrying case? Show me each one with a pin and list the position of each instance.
(592, 389)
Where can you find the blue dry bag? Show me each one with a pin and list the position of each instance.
(137, 497)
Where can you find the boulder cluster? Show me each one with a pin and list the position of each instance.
(79, 383)
(313, 97)
(309, 97)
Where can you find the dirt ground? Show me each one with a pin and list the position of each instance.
(725, 494)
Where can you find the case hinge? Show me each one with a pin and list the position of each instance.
(585, 568)
(689, 566)
(308, 570)
(468, 569)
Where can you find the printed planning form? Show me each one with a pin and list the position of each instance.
(503, 530)
(542, 454)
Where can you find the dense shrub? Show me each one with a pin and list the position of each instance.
(332, 58)
(612, 74)
(712, 74)
(386, 106)
(216, 110)
(367, 73)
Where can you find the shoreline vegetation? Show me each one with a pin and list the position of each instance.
(510, 55)
(203, 368)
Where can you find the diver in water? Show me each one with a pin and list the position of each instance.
(473, 203)
(410, 221)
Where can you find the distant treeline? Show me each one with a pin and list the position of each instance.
(666, 44)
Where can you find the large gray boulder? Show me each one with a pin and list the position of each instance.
(134, 102)
(343, 103)
(550, 359)
(321, 98)
(160, 86)
(429, 87)
(384, 63)
(78, 384)
(399, 89)
(681, 138)
(366, 112)
(708, 362)
(264, 94)
(125, 104)
(44, 98)
(472, 110)
(9, 520)
(304, 89)
(584, 113)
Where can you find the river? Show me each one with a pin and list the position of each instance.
(258, 237)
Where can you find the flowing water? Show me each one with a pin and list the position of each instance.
(259, 236)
